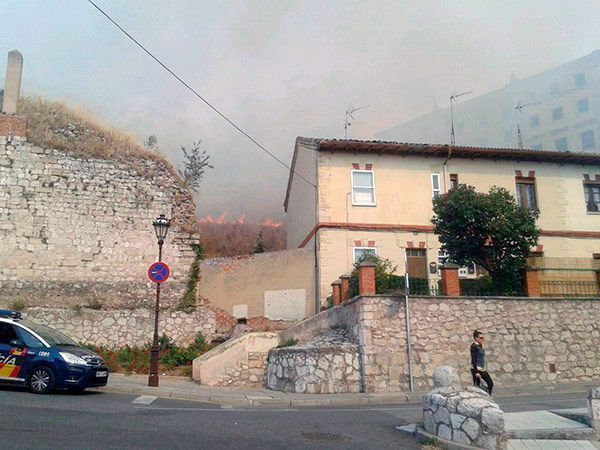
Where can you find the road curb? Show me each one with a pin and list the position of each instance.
(280, 400)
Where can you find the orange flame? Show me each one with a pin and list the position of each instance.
(242, 220)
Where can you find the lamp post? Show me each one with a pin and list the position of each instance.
(161, 227)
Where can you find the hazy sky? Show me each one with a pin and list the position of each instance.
(281, 69)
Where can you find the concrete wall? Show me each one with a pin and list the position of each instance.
(276, 285)
(237, 362)
(79, 230)
(302, 202)
(118, 328)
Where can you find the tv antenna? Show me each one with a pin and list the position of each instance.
(518, 110)
(349, 115)
(453, 98)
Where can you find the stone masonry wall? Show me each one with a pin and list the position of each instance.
(76, 230)
(527, 340)
(329, 364)
(117, 328)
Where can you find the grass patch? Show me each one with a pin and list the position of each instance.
(53, 124)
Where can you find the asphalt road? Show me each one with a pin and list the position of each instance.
(94, 420)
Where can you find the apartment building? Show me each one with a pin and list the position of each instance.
(562, 112)
(346, 198)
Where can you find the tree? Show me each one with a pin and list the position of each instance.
(195, 163)
(488, 229)
(151, 143)
(259, 247)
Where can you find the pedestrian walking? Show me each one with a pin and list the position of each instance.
(478, 362)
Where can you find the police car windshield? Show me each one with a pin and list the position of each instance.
(51, 336)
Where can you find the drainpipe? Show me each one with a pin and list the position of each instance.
(444, 167)
(407, 317)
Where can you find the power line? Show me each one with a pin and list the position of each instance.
(214, 108)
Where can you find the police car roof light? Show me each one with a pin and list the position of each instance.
(8, 314)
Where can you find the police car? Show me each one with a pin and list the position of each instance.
(43, 359)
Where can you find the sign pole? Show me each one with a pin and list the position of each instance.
(153, 378)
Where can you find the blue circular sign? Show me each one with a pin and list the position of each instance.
(158, 272)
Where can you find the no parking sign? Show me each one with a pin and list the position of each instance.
(158, 272)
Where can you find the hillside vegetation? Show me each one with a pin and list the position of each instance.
(221, 239)
(53, 124)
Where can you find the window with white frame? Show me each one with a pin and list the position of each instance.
(363, 252)
(363, 187)
(435, 185)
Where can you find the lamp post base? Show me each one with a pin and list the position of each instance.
(153, 380)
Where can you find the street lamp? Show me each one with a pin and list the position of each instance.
(161, 227)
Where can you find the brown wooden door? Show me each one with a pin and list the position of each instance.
(416, 260)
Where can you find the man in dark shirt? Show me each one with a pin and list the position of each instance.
(478, 362)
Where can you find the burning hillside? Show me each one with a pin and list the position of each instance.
(222, 236)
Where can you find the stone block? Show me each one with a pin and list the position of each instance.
(445, 376)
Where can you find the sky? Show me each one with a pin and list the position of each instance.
(280, 69)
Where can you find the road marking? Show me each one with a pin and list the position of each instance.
(144, 399)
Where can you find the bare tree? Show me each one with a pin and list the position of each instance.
(195, 163)
(151, 143)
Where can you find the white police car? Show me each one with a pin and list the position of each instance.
(44, 359)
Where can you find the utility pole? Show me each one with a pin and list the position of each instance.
(452, 100)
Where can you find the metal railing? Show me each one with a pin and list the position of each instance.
(420, 286)
(485, 287)
(570, 288)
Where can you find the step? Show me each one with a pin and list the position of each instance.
(549, 444)
(544, 425)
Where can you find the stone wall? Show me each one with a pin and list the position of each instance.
(330, 364)
(117, 328)
(527, 340)
(76, 230)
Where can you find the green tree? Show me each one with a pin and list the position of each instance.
(195, 163)
(259, 247)
(488, 229)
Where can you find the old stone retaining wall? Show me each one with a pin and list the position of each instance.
(329, 364)
(117, 328)
(79, 230)
(527, 340)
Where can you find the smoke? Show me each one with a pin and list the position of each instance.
(281, 69)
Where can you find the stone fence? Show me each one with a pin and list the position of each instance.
(117, 328)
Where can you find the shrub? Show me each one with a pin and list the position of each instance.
(137, 359)
(289, 343)
(188, 301)
(385, 280)
(18, 305)
(330, 302)
(94, 303)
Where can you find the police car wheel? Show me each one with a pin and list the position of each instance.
(41, 380)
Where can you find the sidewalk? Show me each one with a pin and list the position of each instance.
(184, 389)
